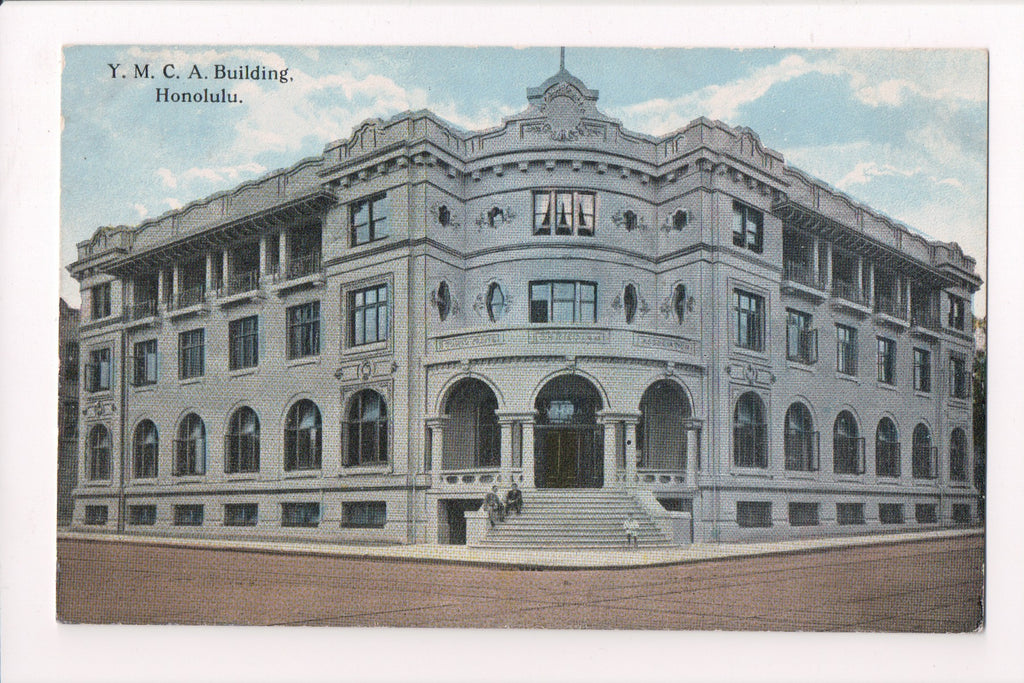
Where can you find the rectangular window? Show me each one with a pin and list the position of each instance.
(957, 376)
(922, 370)
(243, 341)
(188, 515)
(364, 514)
(747, 227)
(369, 220)
(846, 350)
(144, 363)
(748, 320)
(803, 514)
(886, 361)
(369, 318)
(304, 330)
(98, 371)
(801, 340)
(926, 513)
(300, 514)
(749, 514)
(71, 361)
(142, 515)
(240, 514)
(563, 302)
(890, 513)
(850, 513)
(191, 354)
(100, 301)
(957, 317)
(961, 513)
(95, 515)
(569, 213)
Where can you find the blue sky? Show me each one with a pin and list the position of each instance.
(903, 131)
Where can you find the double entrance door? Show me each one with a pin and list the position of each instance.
(569, 456)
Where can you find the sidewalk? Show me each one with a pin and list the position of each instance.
(530, 558)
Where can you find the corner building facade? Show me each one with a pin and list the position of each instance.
(359, 346)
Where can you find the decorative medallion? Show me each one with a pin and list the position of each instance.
(494, 217)
(629, 220)
(676, 221)
(444, 217)
(564, 107)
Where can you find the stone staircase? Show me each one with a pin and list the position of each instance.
(573, 518)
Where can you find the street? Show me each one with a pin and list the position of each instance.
(930, 586)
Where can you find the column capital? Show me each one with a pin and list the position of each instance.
(606, 416)
(437, 420)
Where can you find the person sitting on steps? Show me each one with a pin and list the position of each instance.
(514, 500)
(495, 510)
(632, 528)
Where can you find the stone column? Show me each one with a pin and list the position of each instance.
(629, 424)
(263, 255)
(209, 273)
(611, 442)
(282, 254)
(828, 266)
(436, 446)
(528, 481)
(175, 279)
(507, 424)
(906, 297)
(816, 259)
(871, 284)
(692, 451)
(860, 276)
(161, 285)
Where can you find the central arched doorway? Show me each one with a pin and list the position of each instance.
(568, 442)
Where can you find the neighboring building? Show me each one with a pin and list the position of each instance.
(67, 412)
(359, 346)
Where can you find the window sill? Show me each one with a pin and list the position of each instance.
(802, 474)
(190, 380)
(303, 474)
(923, 394)
(352, 470)
(242, 476)
(847, 378)
(361, 526)
(149, 387)
(303, 360)
(188, 478)
(97, 482)
(243, 372)
(750, 353)
(763, 473)
(850, 478)
(98, 394)
(801, 366)
(886, 386)
(372, 347)
(144, 481)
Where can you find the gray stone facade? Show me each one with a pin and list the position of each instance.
(556, 301)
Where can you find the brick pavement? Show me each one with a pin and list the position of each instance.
(930, 586)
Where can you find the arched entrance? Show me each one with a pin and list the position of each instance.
(661, 435)
(568, 442)
(473, 437)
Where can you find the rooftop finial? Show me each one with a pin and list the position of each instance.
(561, 61)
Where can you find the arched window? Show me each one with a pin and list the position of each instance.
(958, 455)
(801, 439)
(847, 446)
(679, 302)
(924, 453)
(630, 220)
(190, 446)
(242, 453)
(661, 433)
(97, 462)
(302, 437)
(145, 446)
(472, 437)
(749, 432)
(443, 301)
(629, 302)
(367, 431)
(495, 302)
(887, 449)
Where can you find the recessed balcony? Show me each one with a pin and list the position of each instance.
(241, 287)
(304, 270)
(141, 314)
(889, 312)
(800, 279)
(190, 301)
(925, 323)
(848, 296)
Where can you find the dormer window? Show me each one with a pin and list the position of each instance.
(564, 212)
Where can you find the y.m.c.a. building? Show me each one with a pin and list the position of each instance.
(358, 347)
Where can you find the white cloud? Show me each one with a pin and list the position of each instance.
(211, 175)
(173, 203)
(864, 171)
(167, 176)
(141, 210)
